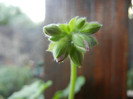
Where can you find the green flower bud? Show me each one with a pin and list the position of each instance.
(57, 37)
(65, 28)
(60, 51)
(52, 30)
(81, 42)
(84, 42)
(80, 22)
(72, 23)
(92, 40)
(76, 56)
(90, 28)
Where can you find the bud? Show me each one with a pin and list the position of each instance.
(65, 28)
(81, 42)
(92, 40)
(57, 37)
(60, 51)
(52, 30)
(72, 23)
(76, 56)
(90, 28)
(80, 22)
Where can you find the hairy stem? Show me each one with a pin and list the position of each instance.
(72, 80)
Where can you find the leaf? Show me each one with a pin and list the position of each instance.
(79, 83)
(33, 91)
(63, 94)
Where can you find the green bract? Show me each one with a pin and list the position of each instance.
(72, 39)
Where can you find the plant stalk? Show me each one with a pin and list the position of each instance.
(72, 80)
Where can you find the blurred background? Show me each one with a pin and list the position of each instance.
(108, 68)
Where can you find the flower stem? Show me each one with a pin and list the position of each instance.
(72, 80)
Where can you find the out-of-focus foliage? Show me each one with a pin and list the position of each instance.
(33, 91)
(63, 94)
(13, 78)
(10, 15)
(1, 97)
(130, 79)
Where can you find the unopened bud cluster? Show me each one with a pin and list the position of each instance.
(72, 39)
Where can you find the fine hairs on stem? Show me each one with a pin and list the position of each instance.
(72, 80)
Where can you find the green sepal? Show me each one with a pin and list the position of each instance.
(90, 28)
(76, 56)
(60, 51)
(52, 30)
(80, 22)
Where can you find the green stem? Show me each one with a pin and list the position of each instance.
(72, 80)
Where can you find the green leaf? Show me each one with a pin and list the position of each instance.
(76, 56)
(33, 91)
(80, 22)
(63, 94)
(51, 46)
(10, 74)
(79, 83)
(52, 30)
(90, 28)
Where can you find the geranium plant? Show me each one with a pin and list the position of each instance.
(71, 41)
